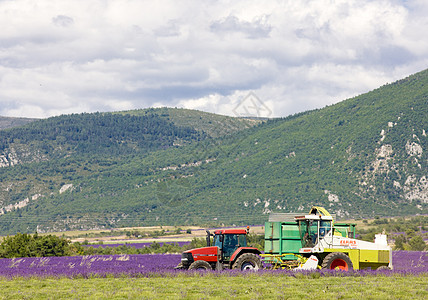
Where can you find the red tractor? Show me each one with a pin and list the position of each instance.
(229, 251)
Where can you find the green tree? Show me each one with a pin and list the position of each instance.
(417, 243)
(399, 242)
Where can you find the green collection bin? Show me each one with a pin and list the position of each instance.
(282, 237)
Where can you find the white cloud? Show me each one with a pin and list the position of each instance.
(61, 57)
(63, 21)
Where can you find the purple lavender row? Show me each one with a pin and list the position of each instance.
(405, 262)
(85, 266)
(410, 260)
(136, 245)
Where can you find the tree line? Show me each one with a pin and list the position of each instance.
(97, 131)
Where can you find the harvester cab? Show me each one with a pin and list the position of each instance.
(313, 228)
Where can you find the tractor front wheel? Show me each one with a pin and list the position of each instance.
(337, 260)
(248, 261)
(200, 265)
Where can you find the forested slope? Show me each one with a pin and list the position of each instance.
(362, 157)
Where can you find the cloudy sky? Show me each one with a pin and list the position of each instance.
(62, 57)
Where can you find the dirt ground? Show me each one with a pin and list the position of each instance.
(196, 232)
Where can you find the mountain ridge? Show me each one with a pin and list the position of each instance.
(11, 122)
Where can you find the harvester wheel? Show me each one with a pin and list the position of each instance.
(248, 261)
(200, 265)
(381, 268)
(337, 260)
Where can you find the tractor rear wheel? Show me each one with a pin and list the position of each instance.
(200, 265)
(337, 260)
(248, 261)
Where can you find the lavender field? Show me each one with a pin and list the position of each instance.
(405, 262)
(85, 266)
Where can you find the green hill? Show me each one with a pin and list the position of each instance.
(362, 157)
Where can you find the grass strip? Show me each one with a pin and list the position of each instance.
(246, 286)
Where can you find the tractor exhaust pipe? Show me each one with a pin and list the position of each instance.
(208, 238)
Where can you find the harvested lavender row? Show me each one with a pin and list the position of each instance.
(405, 262)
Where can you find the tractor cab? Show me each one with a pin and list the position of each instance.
(229, 240)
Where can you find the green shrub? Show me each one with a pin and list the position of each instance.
(417, 243)
(26, 245)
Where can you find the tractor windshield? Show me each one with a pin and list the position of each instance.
(230, 239)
